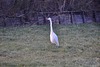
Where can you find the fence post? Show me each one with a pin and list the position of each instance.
(71, 17)
(94, 16)
(83, 16)
(59, 19)
(4, 23)
(37, 18)
(44, 19)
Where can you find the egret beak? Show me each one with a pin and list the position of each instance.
(46, 18)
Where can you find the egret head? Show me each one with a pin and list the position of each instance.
(48, 18)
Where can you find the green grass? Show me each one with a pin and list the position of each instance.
(29, 46)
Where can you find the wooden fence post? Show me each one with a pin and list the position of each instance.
(37, 18)
(59, 19)
(94, 16)
(71, 17)
(83, 16)
(44, 18)
(4, 23)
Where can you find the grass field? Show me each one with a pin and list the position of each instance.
(29, 46)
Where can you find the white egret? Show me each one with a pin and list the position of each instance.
(53, 36)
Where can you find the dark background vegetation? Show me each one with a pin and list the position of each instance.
(30, 12)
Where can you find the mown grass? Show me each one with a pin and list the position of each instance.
(29, 46)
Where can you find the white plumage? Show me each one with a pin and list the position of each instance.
(53, 36)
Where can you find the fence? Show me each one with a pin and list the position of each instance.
(38, 18)
(70, 17)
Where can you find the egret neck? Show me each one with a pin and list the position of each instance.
(51, 29)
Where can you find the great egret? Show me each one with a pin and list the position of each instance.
(53, 36)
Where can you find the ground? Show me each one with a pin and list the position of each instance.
(29, 46)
